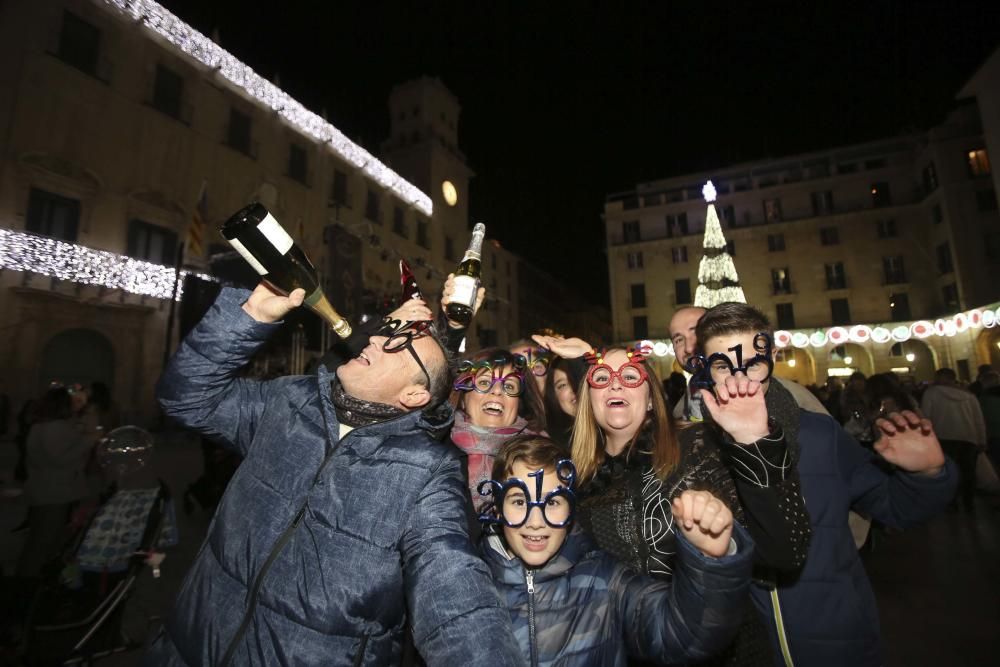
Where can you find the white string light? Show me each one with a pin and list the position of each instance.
(21, 251)
(204, 50)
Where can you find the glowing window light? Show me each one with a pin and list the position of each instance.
(848, 360)
(910, 357)
(840, 372)
(20, 251)
(900, 369)
(210, 54)
(791, 363)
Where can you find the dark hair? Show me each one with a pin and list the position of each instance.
(731, 318)
(534, 450)
(55, 404)
(882, 386)
(529, 404)
(442, 373)
(945, 374)
(559, 424)
(856, 375)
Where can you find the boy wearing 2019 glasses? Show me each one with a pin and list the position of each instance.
(571, 604)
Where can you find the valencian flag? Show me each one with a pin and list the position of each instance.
(196, 231)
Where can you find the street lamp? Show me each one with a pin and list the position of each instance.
(848, 360)
(910, 356)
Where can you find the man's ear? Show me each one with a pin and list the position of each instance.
(414, 396)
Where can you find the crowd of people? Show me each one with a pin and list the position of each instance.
(552, 502)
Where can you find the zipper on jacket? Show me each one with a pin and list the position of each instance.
(779, 621)
(255, 589)
(529, 578)
(360, 655)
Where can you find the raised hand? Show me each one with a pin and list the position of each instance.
(705, 521)
(449, 289)
(266, 305)
(567, 348)
(413, 310)
(907, 440)
(738, 407)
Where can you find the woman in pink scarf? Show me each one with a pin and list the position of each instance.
(492, 408)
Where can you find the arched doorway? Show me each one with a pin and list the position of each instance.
(988, 347)
(77, 356)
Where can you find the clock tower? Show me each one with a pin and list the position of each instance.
(423, 148)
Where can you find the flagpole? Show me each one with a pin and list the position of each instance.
(173, 305)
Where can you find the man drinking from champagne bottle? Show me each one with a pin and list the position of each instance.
(346, 520)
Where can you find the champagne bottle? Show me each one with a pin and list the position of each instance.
(463, 298)
(281, 263)
(408, 282)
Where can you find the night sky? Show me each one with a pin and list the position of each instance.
(564, 103)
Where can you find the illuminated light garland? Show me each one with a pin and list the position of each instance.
(987, 317)
(860, 333)
(717, 268)
(210, 54)
(881, 335)
(662, 349)
(20, 251)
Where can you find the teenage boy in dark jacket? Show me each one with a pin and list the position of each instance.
(826, 615)
(347, 517)
(574, 606)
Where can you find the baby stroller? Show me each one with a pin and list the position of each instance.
(76, 616)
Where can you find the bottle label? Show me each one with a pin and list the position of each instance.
(465, 290)
(276, 234)
(251, 260)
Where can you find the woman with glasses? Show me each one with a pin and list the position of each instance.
(633, 461)
(494, 399)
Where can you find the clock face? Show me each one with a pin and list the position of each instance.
(450, 193)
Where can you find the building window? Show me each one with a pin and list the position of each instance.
(944, 258)
(640, 327)
(677, 225)
(937, 215)
(682, 291)
(298, 163)
(822, 202)
(986, 200)
(423, 238)
(634, 260)
(168, 88)
(238, 136)
(835, 276)
(785, 315)
(772, 210)
(880, 195)
(630, 203)
(679, 254)
(151, 243)
(886, 229)
(372, 206)
(399, 223)
(638, 295)
(893, 270)
(775, 242)
(630, 231)
(840, 311)
(950, 295)
(781, 281)
(338, 191)
(899, 307)
(729, 215)
(829, 236)
(979, 162)
(929, 178)
(52, 215)
(79, 43)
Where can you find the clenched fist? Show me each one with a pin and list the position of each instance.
(705, 521)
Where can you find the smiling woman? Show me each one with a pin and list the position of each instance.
(492, 408)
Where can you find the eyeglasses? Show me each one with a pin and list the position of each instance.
(483, 382)
(718, 366)
(629, 374)
(400, 336)
(536, 360)
(514, 504)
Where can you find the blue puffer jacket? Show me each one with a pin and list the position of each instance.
(321, 550)
(829, 613)
(584, 608)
